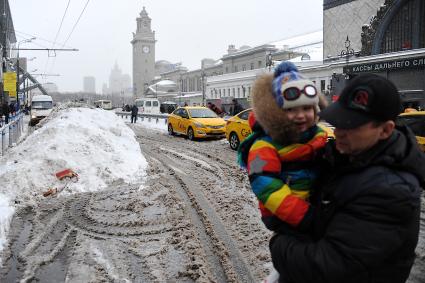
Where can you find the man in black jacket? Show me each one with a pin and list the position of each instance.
(366, 219)
(134, 111)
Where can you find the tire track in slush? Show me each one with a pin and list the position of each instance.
(234, 264)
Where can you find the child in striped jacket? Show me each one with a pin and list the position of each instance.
(280, 154)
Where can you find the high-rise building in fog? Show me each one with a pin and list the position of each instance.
(119, 83)
(89, 84)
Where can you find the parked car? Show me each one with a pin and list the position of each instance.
(416, 121)
(196, 122)
(237, 128)
(328, 128)
(168, 107)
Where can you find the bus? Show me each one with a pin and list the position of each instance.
(104, 104)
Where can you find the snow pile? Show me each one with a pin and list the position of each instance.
(95, 143)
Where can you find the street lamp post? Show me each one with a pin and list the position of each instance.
(347, 53)
(203, 87)
(181, 89)
(145, 85)
(17, 68)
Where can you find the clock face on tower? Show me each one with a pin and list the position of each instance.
(145, 49)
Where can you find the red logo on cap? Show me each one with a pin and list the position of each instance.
(361, 98)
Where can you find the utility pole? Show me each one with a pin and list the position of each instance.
(4, 48)
(18, 83)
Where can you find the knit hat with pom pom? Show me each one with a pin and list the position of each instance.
(291, 89)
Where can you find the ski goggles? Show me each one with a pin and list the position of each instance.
(292, 93)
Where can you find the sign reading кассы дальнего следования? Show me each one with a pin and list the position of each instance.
(387, 65)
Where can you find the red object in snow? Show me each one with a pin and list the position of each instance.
(67, 173)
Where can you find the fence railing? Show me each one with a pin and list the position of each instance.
(11, 132)
(149, 117)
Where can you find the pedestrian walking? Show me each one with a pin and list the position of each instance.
(134, 111)
(236, 107)
(214, 108)
(367, 204)
(12, 109)
(6, 110)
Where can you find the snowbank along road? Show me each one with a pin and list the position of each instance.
(194, 220)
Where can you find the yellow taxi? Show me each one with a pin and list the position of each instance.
(237, 128)
(415, 120)
(328, 128)
(196, 122)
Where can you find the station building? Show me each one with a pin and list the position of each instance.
(385, 37)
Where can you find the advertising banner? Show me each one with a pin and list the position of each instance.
(9, 82)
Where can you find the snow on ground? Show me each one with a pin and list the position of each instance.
(96, 144)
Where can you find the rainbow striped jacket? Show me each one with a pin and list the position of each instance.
(281, 177)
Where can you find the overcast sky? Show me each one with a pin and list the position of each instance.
(186, 31)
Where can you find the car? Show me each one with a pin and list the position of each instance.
(237, 128)
(328, 128)
(415, 120)
(196, 122)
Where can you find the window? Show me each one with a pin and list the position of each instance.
(260, 64)
(148, 104)
(243, 67)
(252, 66)
(233, 91)
(155, 103)
(400, 32)
(244, 115)
(239, 92)
(227, 70)
(236, 68)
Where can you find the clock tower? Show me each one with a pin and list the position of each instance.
(143, 54)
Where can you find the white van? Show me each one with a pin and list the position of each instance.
(104, 104)
(148, 105)
(41, 107)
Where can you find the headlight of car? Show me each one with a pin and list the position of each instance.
(199, 125)
(33, 116)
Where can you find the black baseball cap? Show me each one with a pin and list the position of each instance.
(366, 98)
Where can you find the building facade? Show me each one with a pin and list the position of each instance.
(391, 43)
(342, 18)
(89, 84)
(7, 38)
(143, 54)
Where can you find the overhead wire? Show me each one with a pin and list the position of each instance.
(57, 34)
(78, 20)
(73, 28)
(38, 38)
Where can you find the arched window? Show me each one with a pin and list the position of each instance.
(406, 29)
